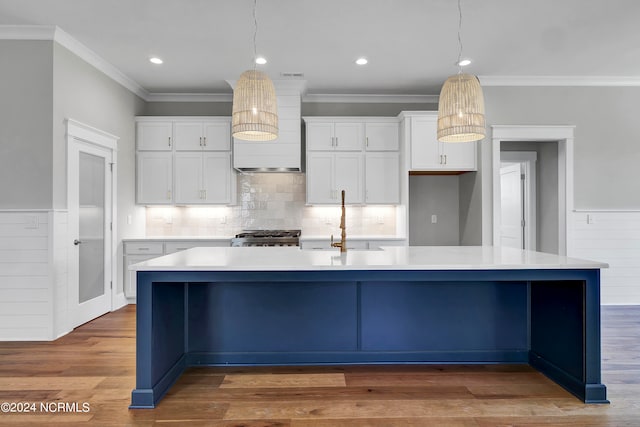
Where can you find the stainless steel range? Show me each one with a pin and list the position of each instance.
(267, 238)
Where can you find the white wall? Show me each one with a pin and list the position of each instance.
(612, 237)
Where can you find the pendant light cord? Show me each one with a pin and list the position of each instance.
(255, 33)
(459, 37)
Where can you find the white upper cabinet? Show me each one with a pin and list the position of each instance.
(330, 173)
(154, 135)
(184, 160)
(334, 136)
(382, 136)
(336, 160)
(429, 154)
(382, 178)
(202, 178)
(154, 177)
(202, 136)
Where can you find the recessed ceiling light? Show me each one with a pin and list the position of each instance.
(464, 62)
(155, 60)
(260, 60)
(361, 61)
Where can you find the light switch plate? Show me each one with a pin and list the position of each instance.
(434, 219)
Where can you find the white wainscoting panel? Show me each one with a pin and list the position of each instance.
(612, 237)
(25, 279)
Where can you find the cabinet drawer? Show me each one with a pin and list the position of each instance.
(143, 248)
(171, 247)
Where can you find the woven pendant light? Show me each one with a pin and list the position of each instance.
(255, 111)
(461, 110)
(461, 103)
(254, 114)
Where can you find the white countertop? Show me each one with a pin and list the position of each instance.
(389, 258)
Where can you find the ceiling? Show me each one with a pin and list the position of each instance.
(411, 44)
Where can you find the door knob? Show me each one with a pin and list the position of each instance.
(76, 242)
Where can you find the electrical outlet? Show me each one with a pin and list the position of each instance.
(31, 221)
(380, 219)
(223, 219)
(434, 219)
(590, 219)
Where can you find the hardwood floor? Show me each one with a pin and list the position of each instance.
(92, 372)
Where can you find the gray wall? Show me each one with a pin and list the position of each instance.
(470, 209)
(607, 135)
(187, 109)
(429, 195)
(26, 99)
(547, 220)
(83, 93)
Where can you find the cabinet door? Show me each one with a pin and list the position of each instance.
(349, 136)
(187, 136)
(154, 177)
(216, 178)
(320, 136)
(320, 188)
(382, 182)
(188, 179)
(130, 276)
(458, 155)
(349, 176)
(382, 136)
(424, 143)
(154, 136)
(217, 136)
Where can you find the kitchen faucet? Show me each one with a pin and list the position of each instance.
(343, 241)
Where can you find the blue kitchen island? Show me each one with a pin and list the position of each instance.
(286, 306)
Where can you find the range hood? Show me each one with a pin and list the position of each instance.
(283, 154)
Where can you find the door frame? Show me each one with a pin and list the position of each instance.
(80, 132)
(563, 135)
(527, 161)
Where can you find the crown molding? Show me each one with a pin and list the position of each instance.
(369, 98)
(54, 33)
(189, 97)
(622, 81)
(64, 39)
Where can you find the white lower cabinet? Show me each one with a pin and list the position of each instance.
(141, 250)
(329, 173)
(202, 177)
(382, 178)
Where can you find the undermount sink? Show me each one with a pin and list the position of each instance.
(337, 250)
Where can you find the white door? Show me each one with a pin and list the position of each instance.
(349, 176)
(90, 211)
(320, 187)
(512, 206)
(188, 178)
(382, 178)
(216, 176)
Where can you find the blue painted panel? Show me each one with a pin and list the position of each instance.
(557, 325)
(272, 317)
(167, 344)
(454, 317)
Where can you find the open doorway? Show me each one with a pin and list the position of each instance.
(555, 203)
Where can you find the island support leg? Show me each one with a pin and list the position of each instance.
(565, 334)
(160, 339)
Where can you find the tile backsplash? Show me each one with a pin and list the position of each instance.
(269, 201)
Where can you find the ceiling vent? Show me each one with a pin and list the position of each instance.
(292, 75)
